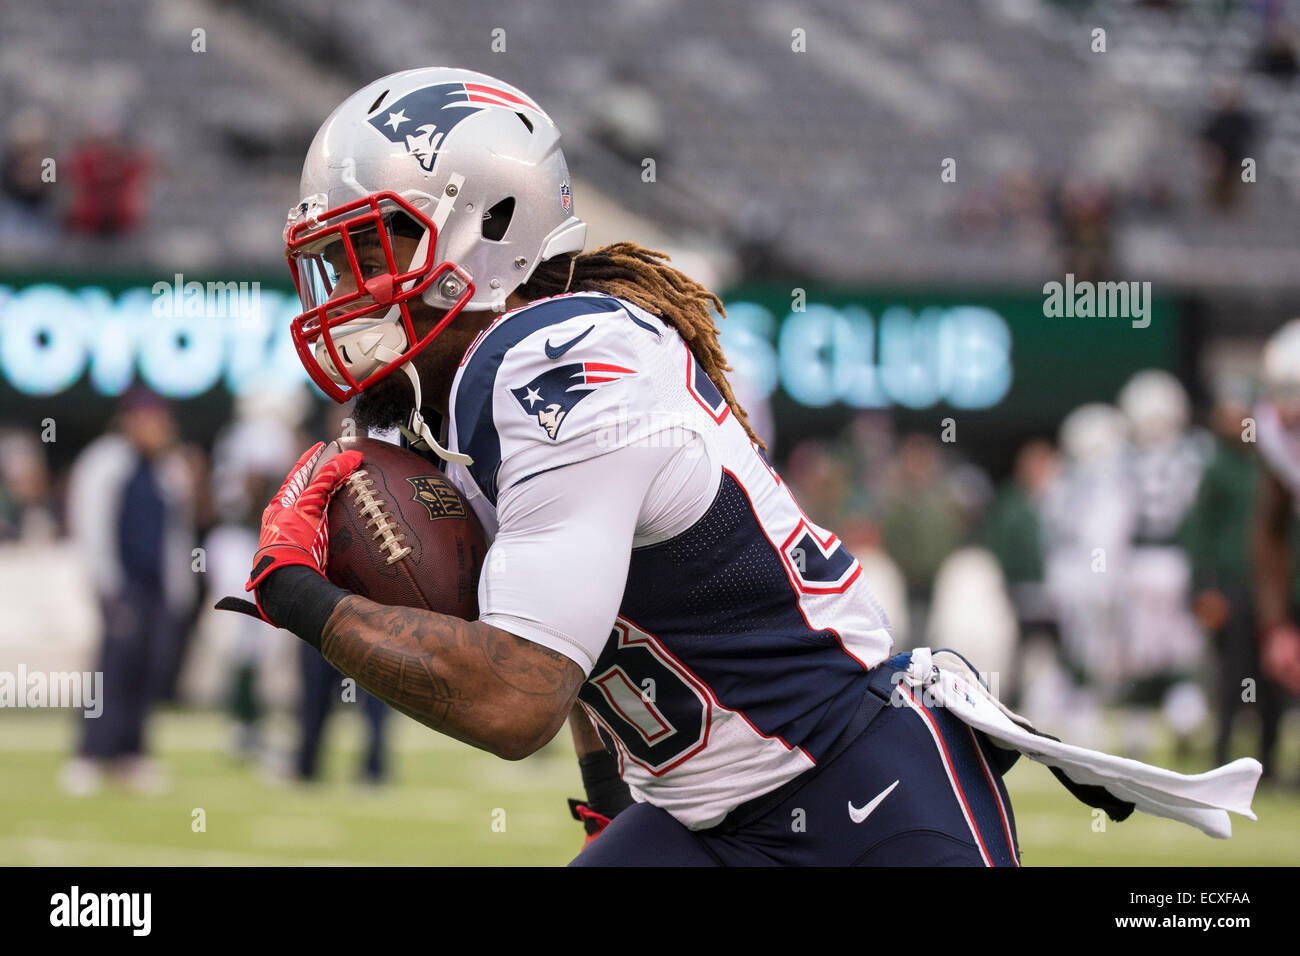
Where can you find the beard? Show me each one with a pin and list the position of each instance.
(386, 403)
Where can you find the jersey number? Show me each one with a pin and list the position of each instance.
(658, 711)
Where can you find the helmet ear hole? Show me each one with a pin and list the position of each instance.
(497, 219)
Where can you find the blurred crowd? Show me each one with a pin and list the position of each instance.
(1110, 573)
(1078, 214)
(104, 174)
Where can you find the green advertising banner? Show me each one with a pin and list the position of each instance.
(1000, 360)
(1006, 363)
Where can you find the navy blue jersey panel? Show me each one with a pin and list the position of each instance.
(718, 598)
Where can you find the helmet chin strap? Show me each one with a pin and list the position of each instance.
(417, 429)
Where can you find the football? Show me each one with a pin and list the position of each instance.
(401, 534)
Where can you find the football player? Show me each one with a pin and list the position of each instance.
(1161, 646)
(726, 670)
(1277, 420)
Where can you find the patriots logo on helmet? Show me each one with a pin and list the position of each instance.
(554, 393)
(421, 119)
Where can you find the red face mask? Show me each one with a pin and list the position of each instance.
(344, 268)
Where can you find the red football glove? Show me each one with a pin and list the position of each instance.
(1280, 656)
(592, 821)
(294, 530)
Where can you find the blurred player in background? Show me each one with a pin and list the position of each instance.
(249, 457)
(1013, 532)
(130, 508)
(1218, 536)
(1087, 523)
(1162, 643)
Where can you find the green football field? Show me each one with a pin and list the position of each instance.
(452, 805)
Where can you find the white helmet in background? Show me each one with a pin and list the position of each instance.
(1280, 365)
(1092, 432)
(466, 164)
(1156, 406)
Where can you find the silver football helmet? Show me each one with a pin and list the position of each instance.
(467, 166)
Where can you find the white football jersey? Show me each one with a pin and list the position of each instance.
(637, 530)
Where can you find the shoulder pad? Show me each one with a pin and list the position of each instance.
(538, 377)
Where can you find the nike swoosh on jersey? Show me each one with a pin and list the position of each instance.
(555, 351)
(858, 814)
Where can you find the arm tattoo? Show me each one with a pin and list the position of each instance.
(539, 672)
(385, 653)
(453, 675)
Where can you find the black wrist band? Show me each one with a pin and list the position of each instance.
(298, 599)
(607, 794)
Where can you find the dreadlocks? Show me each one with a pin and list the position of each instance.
(628, 271)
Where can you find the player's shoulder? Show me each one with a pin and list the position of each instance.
(545, 336)
(542, 376)
(543, 318)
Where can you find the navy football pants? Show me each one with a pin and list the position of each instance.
(948, 808)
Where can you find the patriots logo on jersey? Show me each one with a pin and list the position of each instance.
(553, 394)
(421, 120)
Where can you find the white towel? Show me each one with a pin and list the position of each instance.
(1201, 800)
